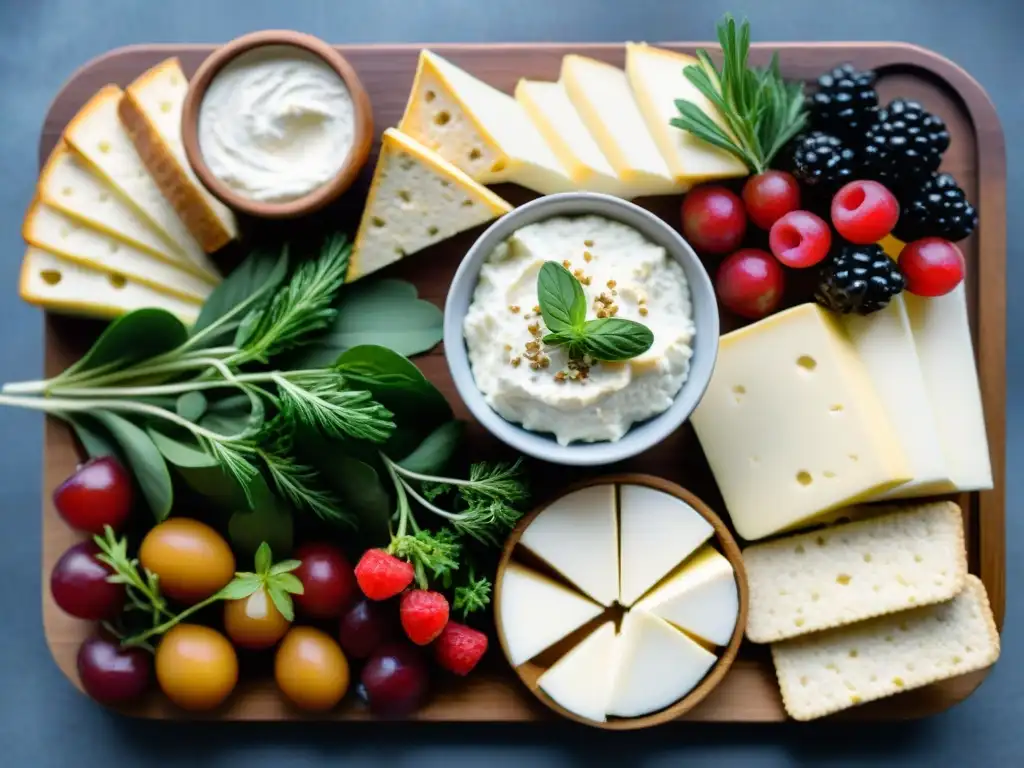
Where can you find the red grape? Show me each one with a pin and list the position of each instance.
(769, 196)
(800, 239)
(713, 219)
(98, 494)
(112, 674)
(932, 266)
(750, 283)
(864, 212)
(80, 587)
(328, 581)
(366, 626)
(395, 680)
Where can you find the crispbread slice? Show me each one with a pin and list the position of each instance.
(840, 668)
(848, 573)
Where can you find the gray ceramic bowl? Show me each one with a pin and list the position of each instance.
(643, 435)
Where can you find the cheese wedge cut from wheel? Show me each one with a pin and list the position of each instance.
(657, 79)
(578, 536)
(657, 666)
(605, 103)
(416, 199)
(700, 597)
(657, 531)
(97, 135)
(536, 612)
(54, 231)
(67, 287)
(478, 128)
(150, 111)
(581, 681)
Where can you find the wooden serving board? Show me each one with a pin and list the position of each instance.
(493, 693)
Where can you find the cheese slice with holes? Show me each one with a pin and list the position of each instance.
(67, 287)
(478, 128)
(604, 101)
(581, 681)
(54, 231)
(416, 199)
(150, 111)
(97, 135)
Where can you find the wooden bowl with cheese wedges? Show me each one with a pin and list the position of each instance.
(621, 603)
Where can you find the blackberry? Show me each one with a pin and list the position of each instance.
(858, 278)
(820, 159)
(845, 103)
(938, 208)
(904, 144)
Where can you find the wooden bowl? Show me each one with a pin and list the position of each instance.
(529, 672)
(318, 197)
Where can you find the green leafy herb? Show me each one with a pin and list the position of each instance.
(563, 305)
(276, 580)
(473, 596)
(141, 585)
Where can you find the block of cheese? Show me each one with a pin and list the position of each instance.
(657, 666)
(942, 337)
(578, 536)
(478, 129)
(581, 681)
(885, 345)
(657, 79)
(150, 111)
(67, 287)
(604, 101)
(97, 135)
(536, 612)
(416, 199)
(791, 424)
(700, 597)
(52, 230)
(657, 531)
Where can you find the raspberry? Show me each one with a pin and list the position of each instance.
(424, 615)
(381, 575)
(458, 648)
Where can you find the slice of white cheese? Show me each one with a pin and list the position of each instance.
(581, 681)
(578, 536)
(605, 103)
(97, 135)
(54, 231)
(657, 531)
(67, 287)
(478, 129)
(536, 612)
(657, 79)
(657, 666)
(416, 199)
(701, 598)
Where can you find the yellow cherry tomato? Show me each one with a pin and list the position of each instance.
(192, 560)
(196, 666)
(254, 621)
(311, 669)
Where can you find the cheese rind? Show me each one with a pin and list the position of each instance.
(581, 681)
(416, 199)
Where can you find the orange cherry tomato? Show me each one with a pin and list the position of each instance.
(311, 669)
(196, 666)
(192, 560)
(254, 621)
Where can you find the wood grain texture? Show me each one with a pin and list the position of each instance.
(493, 693)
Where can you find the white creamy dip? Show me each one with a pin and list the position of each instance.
(276, 123)
(642, 281)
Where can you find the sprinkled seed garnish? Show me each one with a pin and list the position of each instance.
(535, 366)
(536, 309)
(586, 280)
(643, 311)
(533, 346)
(587, 256)
(588, 243)
(545, 362)
(611, 283)
(642, 301)
(560, 376)
(516, 361)
(613, 310)
(514, 308)
(534, 329)
(566, 263)
(578, 273)
(602, 313)
(508, 347)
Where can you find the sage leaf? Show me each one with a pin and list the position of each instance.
(94, 439)
(360, 489)
(436, 450)
(560, 296)
(180, 453)
(252, 282)
(132, 338)
(614, 339)
(191, 406)
(241, 587)
(144, 459)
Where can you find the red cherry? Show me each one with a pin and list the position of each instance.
(98, 494)
(769, 196)
(713, 219)
(328, 581)
(79, 584)
(932, 266)
(750, 283)
(864, 212)
(800, 239)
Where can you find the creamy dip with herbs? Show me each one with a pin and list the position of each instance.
(623, 275)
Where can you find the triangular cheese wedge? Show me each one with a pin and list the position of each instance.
(535, 612)
(416, 199)
(657, 532)
(66, 287)
(97, 135)
(581, 681)
(601, 95)
(700, 597)
(54, 231)
(578, 536)
(657, 79)
(478, 129)
(150, 111)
